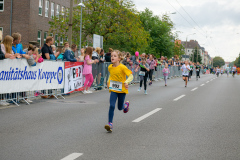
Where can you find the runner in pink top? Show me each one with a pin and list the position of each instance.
(87, 70)
(165, 73)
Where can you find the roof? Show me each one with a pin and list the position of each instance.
(191, 44)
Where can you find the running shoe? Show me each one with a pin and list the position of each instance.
(139, 89)
(145, 92)
(126, 107)
(28, 100)
(109, 127)
(185, 86)
(165, 85)
(89, 91)
(85, 92)
(150, 83)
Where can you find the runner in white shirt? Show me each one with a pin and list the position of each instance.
(221, 71)
(234, 70)
(217, 71)
(185, 72)
(227, 70)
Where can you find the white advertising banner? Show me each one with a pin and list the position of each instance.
(17, 76)
(74, 80)
(97, 41)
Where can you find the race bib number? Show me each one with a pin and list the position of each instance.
(185, 72)
(141, 73)
(197, 69)
(166, 72)
(116, 86)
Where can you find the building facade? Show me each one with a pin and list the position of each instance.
(31, 18)
(190, 47)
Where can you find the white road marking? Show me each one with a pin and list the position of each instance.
(179, 97)
(207, 82)
(194, 89)
(72, 156)
(211, 80)
(202, 84)
(147, 115)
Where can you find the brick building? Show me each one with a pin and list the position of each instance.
(30, 18)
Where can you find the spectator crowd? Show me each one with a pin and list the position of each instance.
(11, 48)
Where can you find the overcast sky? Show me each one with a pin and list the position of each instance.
(215, 22)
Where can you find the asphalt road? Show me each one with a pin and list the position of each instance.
(200, 122)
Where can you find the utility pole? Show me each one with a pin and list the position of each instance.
(70, 23)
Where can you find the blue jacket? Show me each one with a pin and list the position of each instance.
(18, 49)
(69, 57)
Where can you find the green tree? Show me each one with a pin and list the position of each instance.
(237, 61)
(161, 41)
(196, 56)
(118, 23)
(178, 49)
(218, 61)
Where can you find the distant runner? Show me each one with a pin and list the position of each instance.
(185, 72)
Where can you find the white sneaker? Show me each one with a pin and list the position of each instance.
(139, 89)
(89, 91)
(3, 103)
(85, 92)
(28, 100)
(22, 101)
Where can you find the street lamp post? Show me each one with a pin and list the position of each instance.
(80, 43)
(186, 45)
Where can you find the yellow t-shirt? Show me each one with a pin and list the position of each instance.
(119, 74)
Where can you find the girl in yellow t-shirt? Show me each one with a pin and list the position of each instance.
(118, 86)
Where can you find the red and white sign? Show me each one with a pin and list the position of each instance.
(74, 80)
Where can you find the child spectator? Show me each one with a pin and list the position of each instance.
(81, 57)
(6, 48)
(30, 59)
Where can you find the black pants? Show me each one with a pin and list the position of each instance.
(143, 78)
(197, 72)
(151, 74)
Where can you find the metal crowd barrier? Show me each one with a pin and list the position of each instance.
(16, 98)
(101, 74)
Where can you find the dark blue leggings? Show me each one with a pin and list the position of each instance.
(113, 98)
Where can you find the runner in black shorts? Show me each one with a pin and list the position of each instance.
(185, 72)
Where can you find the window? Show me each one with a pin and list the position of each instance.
(51, 34)
(40, 7)
(67, 12)
(57, 10)
(45, 37)
(61, 41)
(46, 8)
(63, 9)
(39, 38)
(1, 5)
(56, 40)
(66, 39)
(52, 10)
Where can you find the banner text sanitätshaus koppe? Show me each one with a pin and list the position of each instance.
(14, 74)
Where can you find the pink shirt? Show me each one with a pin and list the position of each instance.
(165, 71)
(87, 68)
